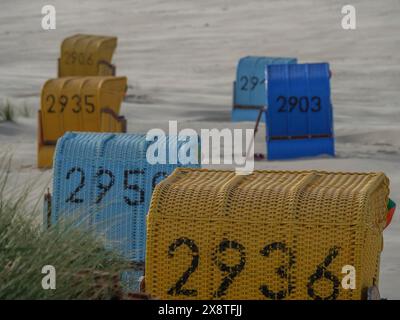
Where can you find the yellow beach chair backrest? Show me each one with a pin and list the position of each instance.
(78, 104)
(269, 235)
(87, 55)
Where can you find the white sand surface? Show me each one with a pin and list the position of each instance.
(180, 57)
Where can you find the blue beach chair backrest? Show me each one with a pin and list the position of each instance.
(250, 79)
(104, 181)
(299, 110)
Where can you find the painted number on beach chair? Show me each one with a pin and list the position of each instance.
(230, 272)
(249, 90)
(250, 83)
(299, 111)
(303, 104)
(87, 55)
(78, 58)
(75, 102)
(105, 180)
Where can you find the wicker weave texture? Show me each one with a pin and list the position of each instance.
(268, 235)
(104, 181)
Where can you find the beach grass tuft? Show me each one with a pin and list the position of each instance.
(84, 269)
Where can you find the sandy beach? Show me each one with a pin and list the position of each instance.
(180, 58)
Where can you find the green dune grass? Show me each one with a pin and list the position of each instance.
(6, 111)
(84, 269)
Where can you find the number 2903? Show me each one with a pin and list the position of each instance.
(304, 104)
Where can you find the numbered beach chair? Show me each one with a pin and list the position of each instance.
(299, 111)
(104, 182)
(87, 55)
(271, 235)
(249, 88)
(78, 104)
